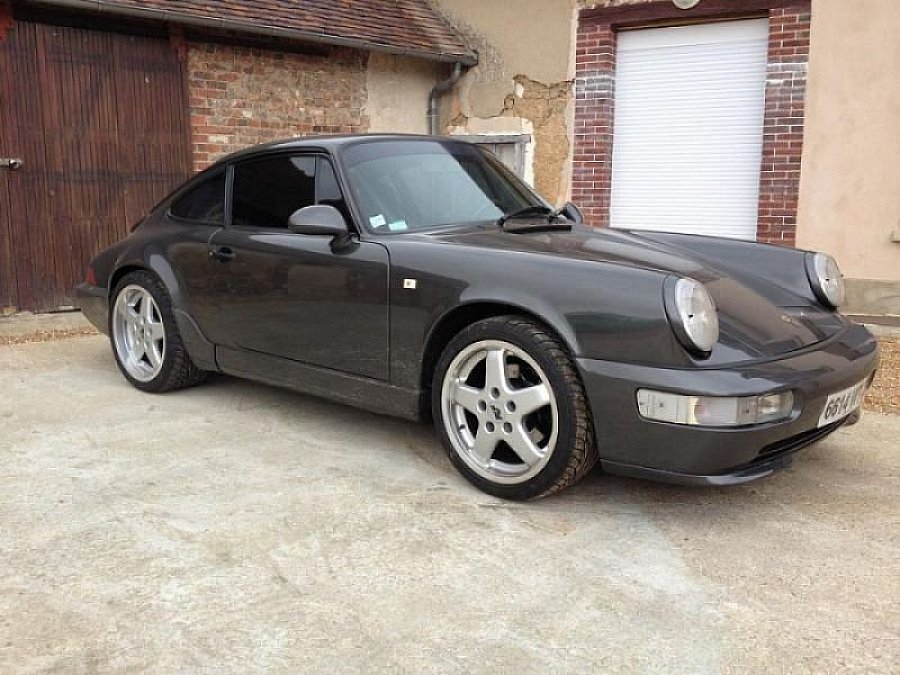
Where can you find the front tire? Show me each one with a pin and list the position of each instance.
(510, 409)
(145, 338)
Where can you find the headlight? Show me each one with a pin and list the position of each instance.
(692, 314)
(825, 278)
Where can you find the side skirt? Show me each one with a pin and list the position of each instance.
(359, 392)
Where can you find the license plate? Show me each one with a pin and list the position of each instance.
(841, 403)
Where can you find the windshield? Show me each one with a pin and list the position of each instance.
(402, 186)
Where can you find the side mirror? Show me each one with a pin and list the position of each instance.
(573, 213)
(321, 219)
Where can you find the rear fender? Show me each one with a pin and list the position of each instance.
(200, 349)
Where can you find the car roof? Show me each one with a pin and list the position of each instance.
(328, 143)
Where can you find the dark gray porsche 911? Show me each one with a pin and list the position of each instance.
(418, 277)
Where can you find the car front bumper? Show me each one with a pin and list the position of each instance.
(94, 304)
(631, 445)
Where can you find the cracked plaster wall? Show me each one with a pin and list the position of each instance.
(523, 82)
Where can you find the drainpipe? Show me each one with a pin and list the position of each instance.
(438, 89)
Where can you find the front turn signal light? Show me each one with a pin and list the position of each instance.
(714, 411)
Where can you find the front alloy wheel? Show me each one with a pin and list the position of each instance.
(510, 408)
(499, 411)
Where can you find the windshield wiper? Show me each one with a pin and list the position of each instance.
(527, 212)
(530, 212)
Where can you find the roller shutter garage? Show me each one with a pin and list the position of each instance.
(688, 128)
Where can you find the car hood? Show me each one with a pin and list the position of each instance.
(758, 318)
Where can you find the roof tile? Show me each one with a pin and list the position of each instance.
(400, 26)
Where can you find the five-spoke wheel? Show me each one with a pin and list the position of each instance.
(145, 337)
(138, 333)
(510, 408)
(500, 411)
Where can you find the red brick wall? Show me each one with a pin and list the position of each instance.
(782, 126)
(779, 183)
(241, 96)
(595, 64)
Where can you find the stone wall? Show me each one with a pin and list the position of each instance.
(522, 84)
(241, 96)
(884, 395)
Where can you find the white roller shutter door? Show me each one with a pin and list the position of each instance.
(687, 134)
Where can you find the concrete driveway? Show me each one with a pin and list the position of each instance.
(236, 527)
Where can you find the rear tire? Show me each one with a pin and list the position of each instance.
(145, 338)
(510, 409)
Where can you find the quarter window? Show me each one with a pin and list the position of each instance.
(328, 190)
(204, 203)
(267, 191)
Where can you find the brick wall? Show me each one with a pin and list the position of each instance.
(788, 54)
(779, 183)
(595, 67)
(241, 96)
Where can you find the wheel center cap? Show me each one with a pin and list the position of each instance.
(498, 414)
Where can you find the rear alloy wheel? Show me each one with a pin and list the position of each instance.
(510, 409)
(139, 333)
(145, 338)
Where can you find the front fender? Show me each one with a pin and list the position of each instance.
(601, 311)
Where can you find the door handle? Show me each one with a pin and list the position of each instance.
(11, 163)
(222, 254)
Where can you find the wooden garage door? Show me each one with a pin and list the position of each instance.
(99, 122)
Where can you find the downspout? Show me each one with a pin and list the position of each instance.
(438, 89)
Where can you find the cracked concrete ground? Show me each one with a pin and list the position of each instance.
(236, 527)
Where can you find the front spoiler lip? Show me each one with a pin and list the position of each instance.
(752, 472)
(674, 478)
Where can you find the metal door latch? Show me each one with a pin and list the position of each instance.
(11, 163)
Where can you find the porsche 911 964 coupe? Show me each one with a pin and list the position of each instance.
(418, 277)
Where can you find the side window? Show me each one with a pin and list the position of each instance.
(267, 191)
(204, 203)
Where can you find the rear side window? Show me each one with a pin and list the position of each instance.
(267, 191)
(204, 203)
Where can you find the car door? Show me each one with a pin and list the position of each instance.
(291, 295)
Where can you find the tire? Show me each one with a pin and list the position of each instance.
(510, 409)
(141, 321)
